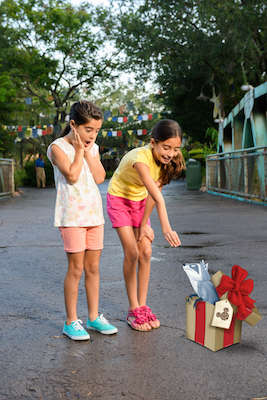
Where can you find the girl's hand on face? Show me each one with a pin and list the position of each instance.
(76, 141)
(90, 145)
(146, 231)
(172, 238)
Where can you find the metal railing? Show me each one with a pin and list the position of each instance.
(7, 187)
(239, 173)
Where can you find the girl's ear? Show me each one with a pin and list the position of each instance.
(152, 141)
(72, 123)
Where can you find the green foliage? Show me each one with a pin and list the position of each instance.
(20, 176)
(49, 172)
(197, 154)
(6, 143)
(30, 178)
(109, 174)
(8, 93)
(186, 44)
(212, 135)
(185, 154)
(53, 47)
(199, 151)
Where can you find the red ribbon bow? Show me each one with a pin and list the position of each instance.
(238, 289)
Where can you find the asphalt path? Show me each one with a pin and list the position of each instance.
(38, 362)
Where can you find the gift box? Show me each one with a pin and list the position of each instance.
(251, 314)
(199, 329)
(199, 314)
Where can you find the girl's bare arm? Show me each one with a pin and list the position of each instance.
(144, 174)
(146, 230)
(70, 171)
(96, 167)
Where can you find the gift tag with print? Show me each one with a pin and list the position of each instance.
(223, 314)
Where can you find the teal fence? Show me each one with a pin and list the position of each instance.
(239, 174)
(6, 177)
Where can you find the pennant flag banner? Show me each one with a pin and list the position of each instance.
(138, 132)
(32, 131)
(109, 115)
(113, 116)
(36, 131)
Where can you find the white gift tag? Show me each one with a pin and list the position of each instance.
(223, 314)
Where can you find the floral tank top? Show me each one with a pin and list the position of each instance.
(77, 204)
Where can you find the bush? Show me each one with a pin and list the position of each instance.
(30, 178)
(19, 176)
(49, 172)
(109, 174)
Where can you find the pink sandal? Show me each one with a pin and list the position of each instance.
(140, 319)
(149, 315)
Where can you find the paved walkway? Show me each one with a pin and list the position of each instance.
(38, 362)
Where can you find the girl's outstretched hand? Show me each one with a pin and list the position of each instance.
(172, 238)
(146, 231)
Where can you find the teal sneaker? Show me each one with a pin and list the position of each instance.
(101, 325)
(75, 331)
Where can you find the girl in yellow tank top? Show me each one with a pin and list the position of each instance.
(134, 190)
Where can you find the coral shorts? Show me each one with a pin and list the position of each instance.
(77, 239)
(125, 212)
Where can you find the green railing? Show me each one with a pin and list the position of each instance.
(6, 177)
(239, 174)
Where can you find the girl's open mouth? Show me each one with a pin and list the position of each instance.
(166, 159)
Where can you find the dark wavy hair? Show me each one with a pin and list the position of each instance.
(164, 130)
(82, 112)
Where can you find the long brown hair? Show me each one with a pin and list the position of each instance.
(82, 112)
(164, 130)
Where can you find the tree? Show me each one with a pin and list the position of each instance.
(7, 97)
(53, 49)
(185, 44)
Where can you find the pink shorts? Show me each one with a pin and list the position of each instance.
(125, 212)
(77, 239)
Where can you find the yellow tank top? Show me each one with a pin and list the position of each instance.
(126, 182)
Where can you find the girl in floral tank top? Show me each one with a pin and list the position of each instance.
(79, 213)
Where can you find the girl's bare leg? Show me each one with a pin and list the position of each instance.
(71, 284)
(131, 256)
(91, 269)
(143, 274)
(145, 252)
